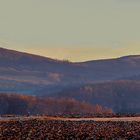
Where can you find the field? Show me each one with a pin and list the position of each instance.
(46, 128)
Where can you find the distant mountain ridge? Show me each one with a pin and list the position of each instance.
(111, 83)
(29, 74)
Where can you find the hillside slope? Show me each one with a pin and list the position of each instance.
(121, 96)
(32, 74)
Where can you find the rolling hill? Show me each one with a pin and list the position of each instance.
(30, 74)
(112, 83)
(121, 96)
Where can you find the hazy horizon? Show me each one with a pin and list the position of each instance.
(102, 58)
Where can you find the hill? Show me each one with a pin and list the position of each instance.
(32, 74)
(112, 83)
(122, 96)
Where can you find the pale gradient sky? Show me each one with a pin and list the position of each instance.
(71, 29)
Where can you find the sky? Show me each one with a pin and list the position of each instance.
(77, 30)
